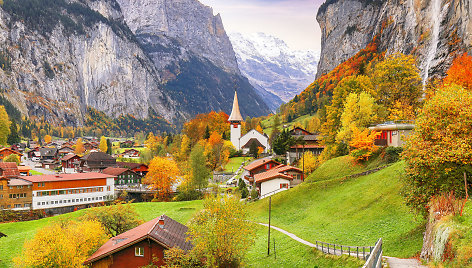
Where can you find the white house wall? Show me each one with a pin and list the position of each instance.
(272, 185)
(255, 134)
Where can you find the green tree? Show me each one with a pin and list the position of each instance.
(200, 172)
(115, 219)
(4, 125)
(13, 137)
(109, 147)
(283, 142)
(253, 150)
(221, 233)
(275, 130)
(440, 150)
(206, 136)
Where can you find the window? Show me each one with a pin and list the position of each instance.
(17, 205)
(1, 187)
(139, 251)
(39, 203)
(284, 185)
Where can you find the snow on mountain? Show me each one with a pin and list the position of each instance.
(270, 64)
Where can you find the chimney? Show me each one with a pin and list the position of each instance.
(160, 223)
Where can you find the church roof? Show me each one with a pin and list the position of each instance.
(235, 113)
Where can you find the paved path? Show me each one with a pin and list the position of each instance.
(404, 263)
(40, 170)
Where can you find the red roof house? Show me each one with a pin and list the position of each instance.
(142, 245)
(9, 170)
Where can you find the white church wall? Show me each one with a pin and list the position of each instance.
(236, 135)
(257, 135)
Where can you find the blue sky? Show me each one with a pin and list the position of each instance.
(294, 21)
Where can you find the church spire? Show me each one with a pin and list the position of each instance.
(235, 113)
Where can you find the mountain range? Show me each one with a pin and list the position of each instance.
(125, 57)
(272, 67)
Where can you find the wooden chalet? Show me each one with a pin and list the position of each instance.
(259, 166)
(131, 153)
(48, 154)
(279, 178)
(142, 245)
(305, 141)
(123, 176)
(96, 161)
(64, 150)
(126, 144)
(15, 193)
(4, 152)
(139, 168)
(70, 160)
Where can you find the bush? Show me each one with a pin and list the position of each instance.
(392, 154)
(254, 193)
(189, 195)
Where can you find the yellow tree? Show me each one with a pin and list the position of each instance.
(308, 162)
(4, 126)
(259, 128)
(47, 138)
(363, 144)
(79, 147)
(103, 144)
(163, 173)
(62, 244)
(184, 148)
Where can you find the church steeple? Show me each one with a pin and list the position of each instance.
(235, 113)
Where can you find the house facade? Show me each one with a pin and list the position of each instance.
(15, 194)
(123, 176)
(142, 245)
(96, 162)
(392, 134)
(276, 179)
(306, 142)
(5, 152)
(259, 166)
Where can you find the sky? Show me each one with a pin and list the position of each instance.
(293, 21)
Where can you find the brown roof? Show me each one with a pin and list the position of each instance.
(174, 234)
(235, 113)
(98, 156)
(259, 163)
(129, 165)
(68, 157)
(18, 182)
(270, 174)
(9, 169)
(66, 177)
(11, 150)
(115, 171)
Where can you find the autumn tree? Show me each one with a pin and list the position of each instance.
(440, 150)
(62, 244)
(199, 171)
(308, 162)
(103, 144)
(4, 125)
(362, 144)
(275, 129)
(259, 129)
(163, 173)
(14, 158)
(398, 86)
(184, 148)
(221, 233)
(79, 147)
(115, 219)
(217, 151)
(13, 137)
(195, 129)
(47, 138)
(460, 72)
(109, 147)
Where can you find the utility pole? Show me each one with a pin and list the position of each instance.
(268, 239)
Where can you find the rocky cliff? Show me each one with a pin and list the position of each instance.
(433, 30)
(60, 57)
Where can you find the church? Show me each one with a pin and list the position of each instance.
(253, 136)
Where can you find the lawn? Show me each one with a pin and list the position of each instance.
(267, 124)
(19, 232)
(355, 212)
(290, 253)
(34, 172)
(341, 167)
(234, 163)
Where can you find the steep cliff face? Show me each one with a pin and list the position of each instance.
(432, 30)
(58, 58)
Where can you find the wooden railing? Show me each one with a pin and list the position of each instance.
(375, 258)
(339, 250)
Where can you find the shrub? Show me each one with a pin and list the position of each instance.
(392, 154)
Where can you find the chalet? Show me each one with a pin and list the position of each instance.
(123, 176)
(131, 153)
(48, 154)
(142, 245)
(277, 179)
(68, 191)
(88, 146)
(70, 162)
(24, 170)
(15, 193)
(305, 141)
(34, 153)
(392, 134)
(96, 161)
(139, 168)
(259, 166)
(64, 150)
(4, 152)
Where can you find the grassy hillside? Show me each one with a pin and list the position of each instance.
(350, 212)
(19, 232)
(341, 167)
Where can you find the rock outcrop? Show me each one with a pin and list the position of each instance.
(60, 57)
(432, 30)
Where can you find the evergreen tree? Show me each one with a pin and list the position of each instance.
(13, 138)
(275, 129)
(207, 133)
(253, 150)
(283, 142)
(200, 172)
(109, 147)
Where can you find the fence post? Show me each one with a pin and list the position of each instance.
(341, 250)
(322, 249)
(349, 249)
(328, 247)
(363, 252)
(357, 249)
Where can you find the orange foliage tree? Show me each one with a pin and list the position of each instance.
(163, 173)
(195, 128)
(460, 72)
(363, 144)
(79, 147)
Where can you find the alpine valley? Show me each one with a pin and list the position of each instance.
(172, 59)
